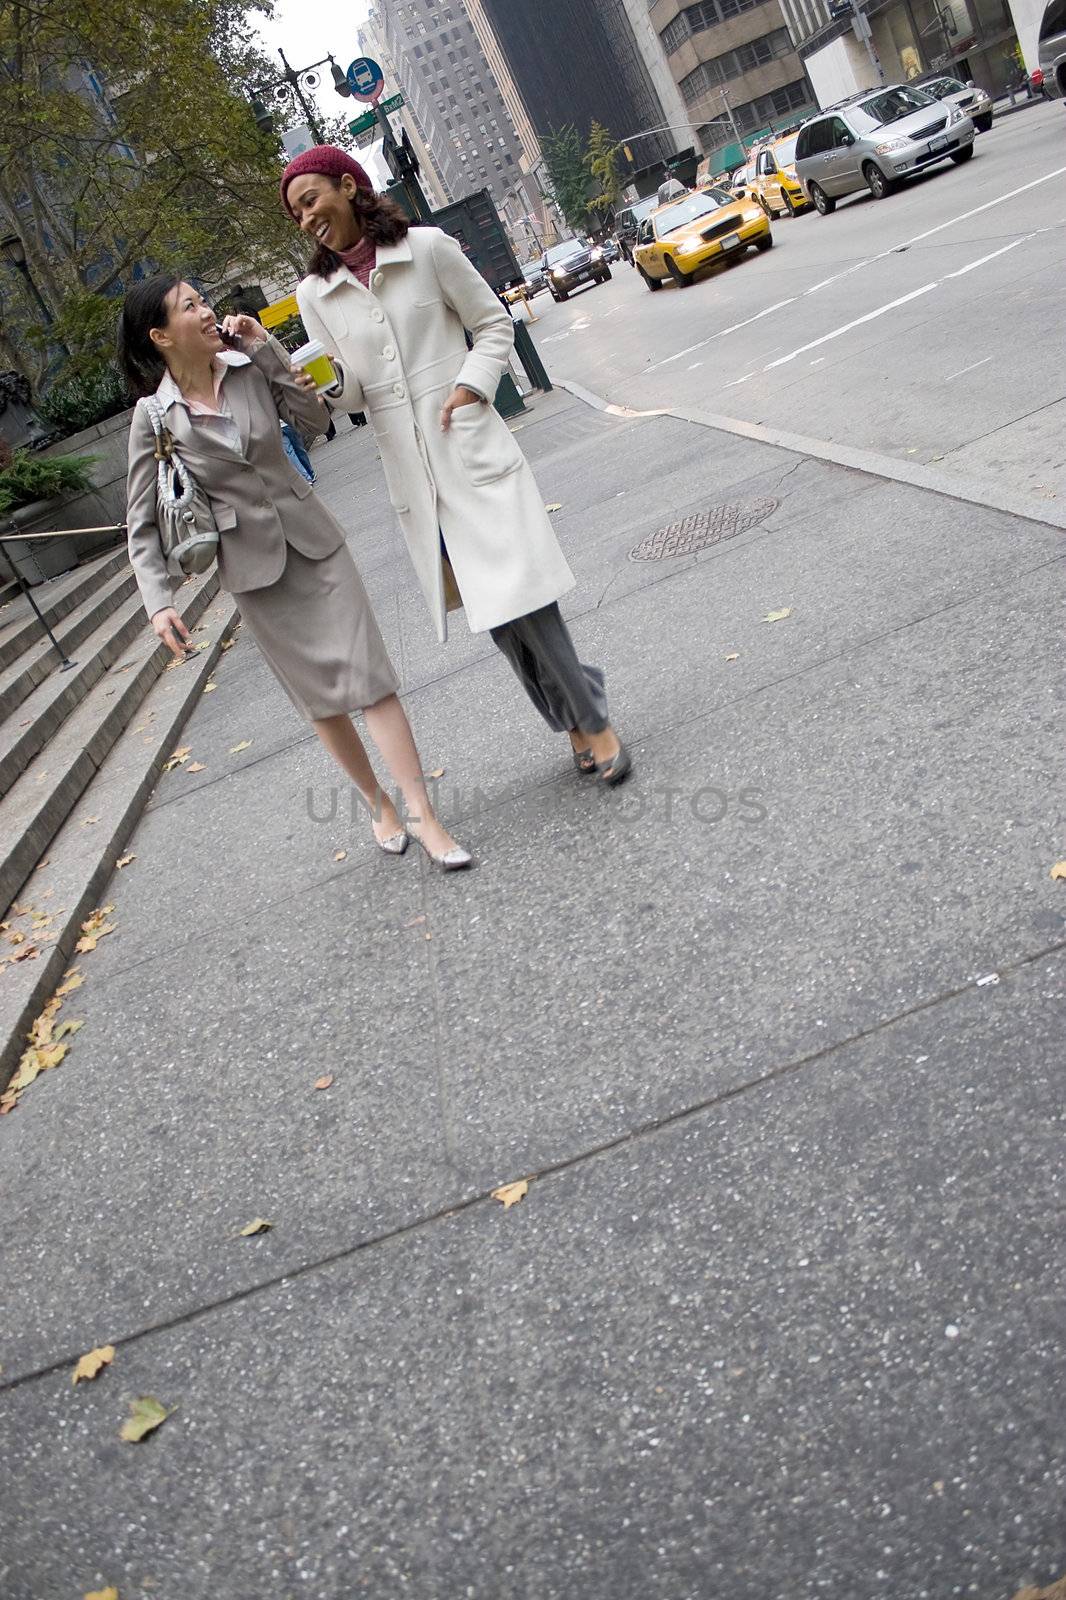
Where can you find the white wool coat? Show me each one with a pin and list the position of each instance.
(401, 349)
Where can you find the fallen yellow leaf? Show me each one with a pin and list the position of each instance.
(145, 1416)
(41, 864)
(778, 616)
(103, 1594)
(511, 1193)
(66, 1028)
(342, 855)
(87, 822)
(325, 1082)
(209, 688)
(555, 505)
(227, 644)
(196, 766)
(259, 1225)
(1059, 870)
(94, 1362)
(235, 749)
(438, 772)
(72, 983)
(92, 937)
(124, 861)
(735, 657)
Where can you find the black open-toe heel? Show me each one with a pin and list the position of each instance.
(617, 769)
(585, 762)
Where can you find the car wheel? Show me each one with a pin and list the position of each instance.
(653, 283)
(825, 204)
(682, 279)
(765, 244)
(982, 124)
(789, 207)
(959, 156)
(563, 294)
(605, 275)
(879, 186)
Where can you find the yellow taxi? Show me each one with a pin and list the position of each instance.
(708, 225)
(771, 177)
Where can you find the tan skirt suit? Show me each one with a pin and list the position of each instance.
(282, 555)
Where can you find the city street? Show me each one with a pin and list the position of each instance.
(930, 326)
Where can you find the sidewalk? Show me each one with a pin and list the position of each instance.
(775, 1031)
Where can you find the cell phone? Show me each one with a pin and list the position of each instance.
(232, 339)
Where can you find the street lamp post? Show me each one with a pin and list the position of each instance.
(297, 81)
(14, 252)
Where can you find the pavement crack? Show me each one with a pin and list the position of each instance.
(630, 1136)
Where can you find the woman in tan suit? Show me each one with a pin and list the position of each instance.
(282, 556)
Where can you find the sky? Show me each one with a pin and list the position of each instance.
(308, 30)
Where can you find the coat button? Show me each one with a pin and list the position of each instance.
(389, 352)
(398, 390)
(377, 316)
(376, 280)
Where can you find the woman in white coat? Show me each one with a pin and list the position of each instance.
(390, 304)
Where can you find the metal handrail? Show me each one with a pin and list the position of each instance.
(65, 664)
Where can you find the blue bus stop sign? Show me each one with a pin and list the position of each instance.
(365, 78)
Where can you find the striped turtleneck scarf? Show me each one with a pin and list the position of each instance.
(360, 259)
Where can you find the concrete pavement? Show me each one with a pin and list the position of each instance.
(775, 1031)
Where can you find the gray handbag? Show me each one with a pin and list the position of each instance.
(187, 529)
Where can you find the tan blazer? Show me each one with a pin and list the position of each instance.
(259, 500)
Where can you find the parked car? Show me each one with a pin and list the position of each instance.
(775, 184)
(705, 226)
(627, 221)
(1052, 48)
(976, 103)
(877, 139)
(610, 250)
(740, 183)
(572, 263)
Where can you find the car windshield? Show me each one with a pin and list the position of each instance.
(785, 153)
(944, 86)
(532, 270)
(892, 105)
(690, 209)
(560, 252)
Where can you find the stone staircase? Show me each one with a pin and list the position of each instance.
(81, 749)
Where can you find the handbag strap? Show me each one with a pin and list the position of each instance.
(175, 485)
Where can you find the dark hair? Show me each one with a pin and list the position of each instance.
(144, 308)
(379, 219)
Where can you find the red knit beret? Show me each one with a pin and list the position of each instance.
(328, 160)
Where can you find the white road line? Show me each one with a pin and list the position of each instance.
(765, 312)
(744, 379)
(961, 273)
(847, 327)
(892, 305)
(838, 275)
(971, 368)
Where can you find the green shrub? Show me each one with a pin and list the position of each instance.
(32, 477)
(80, 402)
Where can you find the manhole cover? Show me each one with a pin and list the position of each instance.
(701, 529)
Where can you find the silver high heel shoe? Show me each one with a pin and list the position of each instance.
(395, 844)
(455, 860)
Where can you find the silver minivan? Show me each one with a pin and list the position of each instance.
(877, 139)
(1052, 47)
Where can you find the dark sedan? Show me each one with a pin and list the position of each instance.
(572, 263)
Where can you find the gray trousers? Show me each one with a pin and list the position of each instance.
(567, 693)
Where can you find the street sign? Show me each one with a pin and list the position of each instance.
(297, 140)
(365, 78)
(369, 118)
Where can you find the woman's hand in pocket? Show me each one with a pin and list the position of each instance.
(173, 632)
(460, 396)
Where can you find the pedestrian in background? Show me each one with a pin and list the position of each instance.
(282, 555)
(391, 304)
